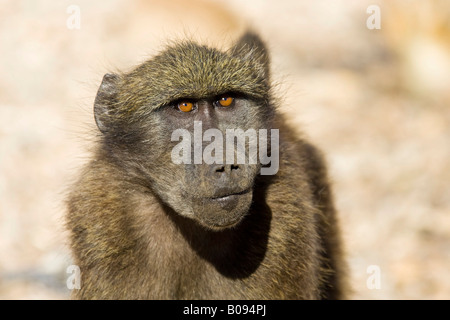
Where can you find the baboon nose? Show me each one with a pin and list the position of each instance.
(226, 169)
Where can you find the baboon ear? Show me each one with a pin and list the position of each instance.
(251, 45)
(106, 101)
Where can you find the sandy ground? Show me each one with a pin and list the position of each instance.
(377, 101)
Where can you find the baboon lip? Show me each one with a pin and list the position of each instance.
(228, 196)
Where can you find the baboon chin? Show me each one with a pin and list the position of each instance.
(198, 188)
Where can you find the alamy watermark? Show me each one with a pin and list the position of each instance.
(374, 280)
(374, 20)
(235, 142)
(74, 280)
(74, 20)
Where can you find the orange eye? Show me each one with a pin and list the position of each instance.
(185, 106)
(226, 101)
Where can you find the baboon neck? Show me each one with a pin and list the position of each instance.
(235, 252)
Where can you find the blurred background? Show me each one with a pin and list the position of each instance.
(370, 85)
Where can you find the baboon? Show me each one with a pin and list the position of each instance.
(145, 227)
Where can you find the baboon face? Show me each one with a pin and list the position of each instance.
(206, 186)
(170, 124)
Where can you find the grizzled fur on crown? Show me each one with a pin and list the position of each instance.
(188, 70)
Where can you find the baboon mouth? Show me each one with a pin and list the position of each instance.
(229, 196)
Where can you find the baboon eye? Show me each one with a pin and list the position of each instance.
(225, 101)
(185, 106)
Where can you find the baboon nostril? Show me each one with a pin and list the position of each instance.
(220, 169)
(227, 168)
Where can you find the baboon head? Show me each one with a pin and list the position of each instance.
(168, 124)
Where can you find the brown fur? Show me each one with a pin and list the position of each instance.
(134, 233)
